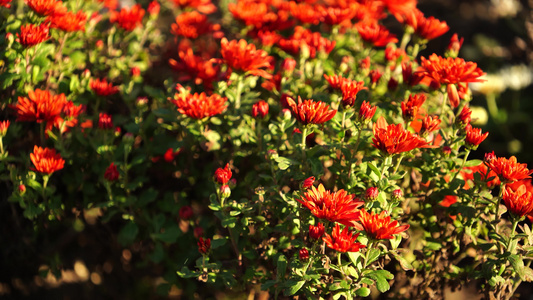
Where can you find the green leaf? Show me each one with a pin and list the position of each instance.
(293, 287)
(281, 267)
(158, 254)
(170, 235)
(381, 278)
(362, 292)
(147, 196)
(229, 222)
(406, 266)
(374, 254)
(216, 243)
(268, 284)
(518, 265)
(127, 234)
(473, 163)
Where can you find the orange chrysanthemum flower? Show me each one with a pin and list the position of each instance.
(430, 123)
(69, 22)
(199, 106)
(344, 241)
(46, 160)
(337, 15)
(128, 19)
(40, 106)
(376, 34)
(336, 207)
(102, 87)
(251, 13)
(427, 28)
(399, 8)
(241, 56)
(191, 25)
(310, 112)
(31, 35)
(305, 13)
(518, 200)
(509, 170)
(393, 139)
(378, 227)
(450, 70)
(70, 116)
(47, 7)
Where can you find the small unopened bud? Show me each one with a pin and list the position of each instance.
(198, 232)
(308, 182)
(186, 212)
(204, 245)
(272, 154)
(371, 193)
(225, 191)
(446, 150)
(304, 254)
(316, 232)
(22, 189)
(397, 194)
(99, 44)
(4, 125)
(489, 157)
(289, 64)
(141, 102)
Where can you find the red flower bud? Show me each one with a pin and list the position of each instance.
(22, 189)
(198, 232)
(260, 109)
(186, 212)
(111, 173)
(304, 254)
(308, 182)
(225, 191)
(222, 176)
(289, 64)
(316, 232)
(397, 194)
(204, 245)
(371, 193)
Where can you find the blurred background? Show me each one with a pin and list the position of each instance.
(498, 35)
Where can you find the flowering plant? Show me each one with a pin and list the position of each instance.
(281, 147)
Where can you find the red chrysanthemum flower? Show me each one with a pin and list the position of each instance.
(40, 106)
(366, 112)
(335, 81)
(450, 70)
(191, 25)
(412, 105)
(241, 56)
(204, 245)
(464, 117)
(474, 137)
(105, 121)
(260, 109)
(199, 106)
(518, 200)
(410, 78)
(394, 54)
(70, 116)
(5, 3)
(192, 67)
(4, 125)
(344, 241)
(375, 33)
(186, 212)
(203, 6)
(47, 7)
(427, 28)
(379, 227)
(46, 160)
(310, 112)
(399, 8)
(128, 19)
(250, 12)
(312, 41)
(349, 89)
(336, 206)
(393, 139)
(31, 35)
(316, 232)
(223, 175)
(102, 87)
(430, 123)
(336, 15)
(509, 170)
(111, 173)
(69, 22)
(305, 13)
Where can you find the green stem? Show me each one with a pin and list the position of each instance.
(385, 165)
(405, 40)
(398, 164)
(367, 254)
(416, 48)
(497, 216)
(259, 128)
(238, 92)
(1, 146)
(304, 135)
(443, 104)
(462, 165)
(492, 106)
(513, 233)
(45, 183)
